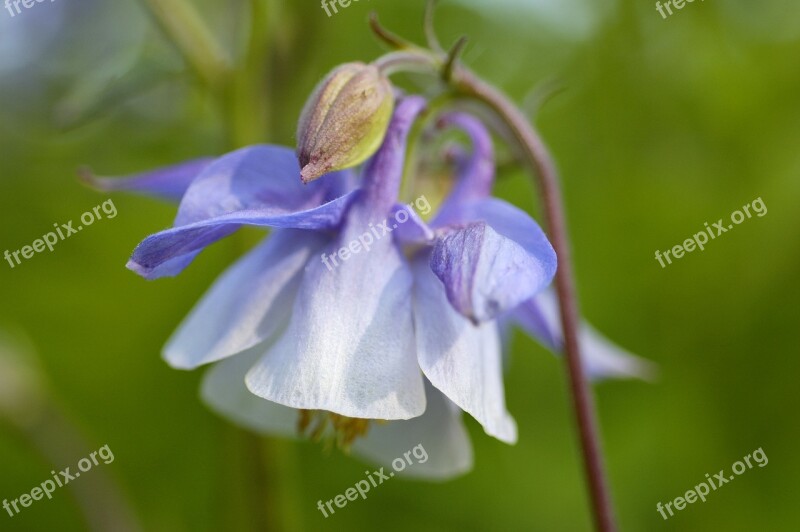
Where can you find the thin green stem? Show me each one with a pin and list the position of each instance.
(282, 484)
(183, 25)
(430, 30)
(247, 102)
(404, 61)
(391, 39)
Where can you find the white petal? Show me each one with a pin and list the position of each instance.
(349, 347)
(224, 391)
(247, 304)
(438, 437)
(460, 359)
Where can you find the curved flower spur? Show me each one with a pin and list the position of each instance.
(406, 334)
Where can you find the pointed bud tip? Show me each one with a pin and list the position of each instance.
(307, 175)
(314, 170)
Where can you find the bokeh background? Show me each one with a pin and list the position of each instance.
(661, 125)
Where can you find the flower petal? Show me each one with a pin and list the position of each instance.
(439, 431)
(168, 183)
(256, 177)
(250, 302)
(413, 230)
(531, 317)
(438, 437)
(505, 219)
(349, 346)
(602, 358)
(258, 185)
(224, 391)
(460, 359)
(156, 256)
(486, 270)
(486, 274)
(384, 171)
(476, 171)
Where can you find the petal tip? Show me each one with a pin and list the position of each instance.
(644, 370)
(177, 361)
(140, 270)
(504, 430)
(87, 178)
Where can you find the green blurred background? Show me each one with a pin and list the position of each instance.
(662, 125)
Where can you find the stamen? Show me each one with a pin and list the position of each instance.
(332, 428)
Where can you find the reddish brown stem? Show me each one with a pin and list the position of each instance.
(538, 157)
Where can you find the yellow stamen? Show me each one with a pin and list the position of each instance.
(343, 430)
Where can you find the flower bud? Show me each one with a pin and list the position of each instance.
(344, 121)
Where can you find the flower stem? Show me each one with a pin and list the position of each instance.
(283, 485)
(247, 101)
(190, 35)
(539, 158)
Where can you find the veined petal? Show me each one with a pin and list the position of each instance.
(486, 274)
(491, 256)
(253, 178)
(505, 219)
(438, 436)
(167, 253)
(168, 183)
(349, 347)
(601, 357)
(224, 391)
(250, 302)
(460, 359)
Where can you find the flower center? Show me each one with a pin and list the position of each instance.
(321, 425)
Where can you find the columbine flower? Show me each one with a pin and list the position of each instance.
(406, 334)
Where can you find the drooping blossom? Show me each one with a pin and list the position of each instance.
(388, 349)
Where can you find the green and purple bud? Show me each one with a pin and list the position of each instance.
(344, 121)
